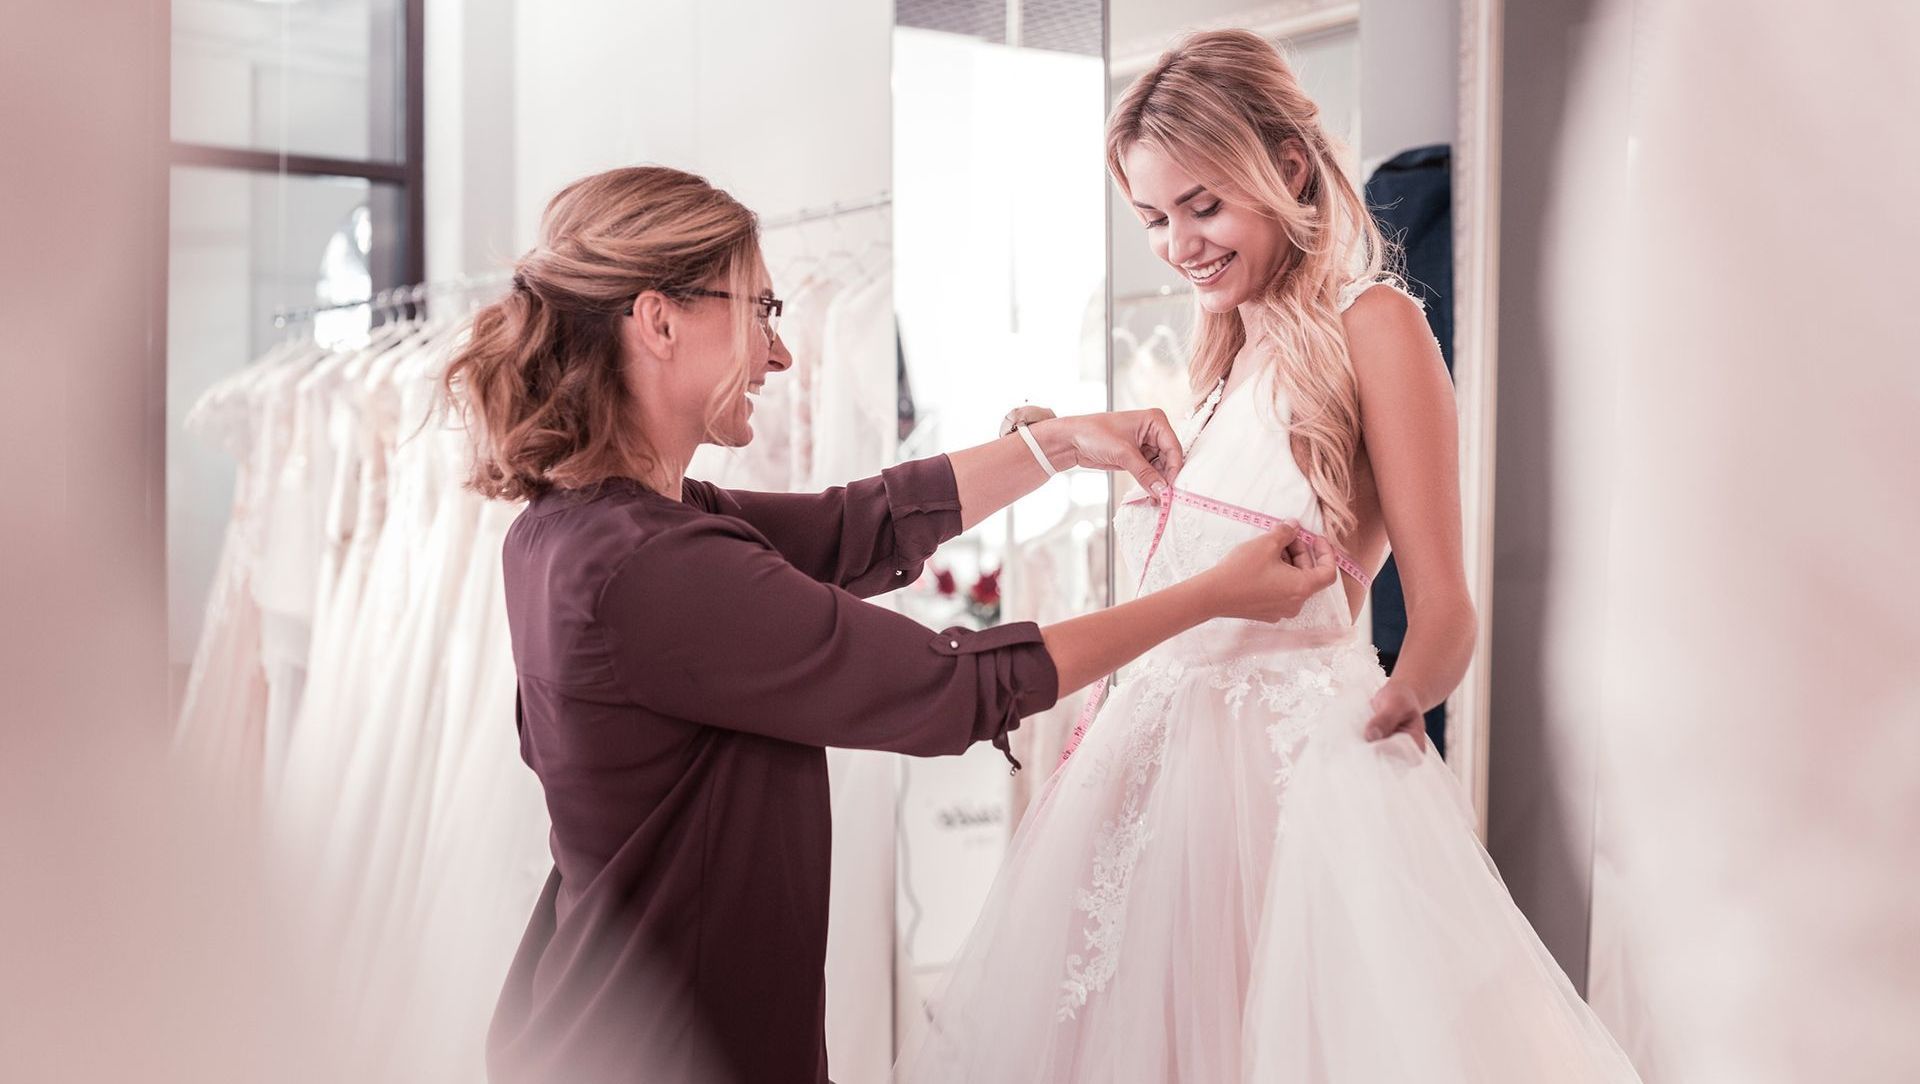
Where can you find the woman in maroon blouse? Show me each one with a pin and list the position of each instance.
(685, 652)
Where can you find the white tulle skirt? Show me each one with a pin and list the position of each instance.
(1229, 883)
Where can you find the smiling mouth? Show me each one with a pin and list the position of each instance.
(1206, 273)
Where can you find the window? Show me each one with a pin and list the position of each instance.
(295, 183)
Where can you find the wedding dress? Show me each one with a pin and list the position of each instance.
(1226, 882)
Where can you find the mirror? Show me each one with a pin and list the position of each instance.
(1405, 85)
(999, 225)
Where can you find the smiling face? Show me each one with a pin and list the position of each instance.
(717, 364)
(1229, 251)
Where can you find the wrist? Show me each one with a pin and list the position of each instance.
(1205, 596)
(1055, 437)
(1406, 688)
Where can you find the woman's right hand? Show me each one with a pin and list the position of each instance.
(1271, 577)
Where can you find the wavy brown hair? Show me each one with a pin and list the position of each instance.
(1225, 105)
(541, 380)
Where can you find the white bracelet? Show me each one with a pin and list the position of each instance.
(1026, 434)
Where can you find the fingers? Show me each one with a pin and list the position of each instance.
(1323, 553)
(1161, 445)
(1324, 569)
(1377, 727)
(1300, 555)
(1145, 473)
(1388, 724)
(1027, 413)
(1417, 728)
(1286, 535)
(1384, 725)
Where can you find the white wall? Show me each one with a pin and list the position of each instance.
(1754, 904)
(1409, 75)
(786, 106)
(1562, 171)
(471, 136)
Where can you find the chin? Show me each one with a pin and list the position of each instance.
(734, 436)
(1218, 302)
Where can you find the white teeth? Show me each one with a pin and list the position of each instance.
(1203, 274)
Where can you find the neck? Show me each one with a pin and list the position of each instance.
(672, 442)
(666, 479)
(1255, 317)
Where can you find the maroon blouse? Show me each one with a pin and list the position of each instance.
(682, 664)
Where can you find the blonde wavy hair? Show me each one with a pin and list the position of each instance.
(541, 378)
(1225, 105)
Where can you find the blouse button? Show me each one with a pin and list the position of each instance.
(899, 571)
(955, 644)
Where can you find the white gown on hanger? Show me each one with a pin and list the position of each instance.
(1227, 882)
(221, 729)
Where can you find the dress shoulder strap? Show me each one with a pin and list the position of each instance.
(1351, 291)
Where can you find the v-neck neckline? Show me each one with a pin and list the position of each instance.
(1218, 397)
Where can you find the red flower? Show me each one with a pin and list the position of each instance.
(944, 582)
(986, 591)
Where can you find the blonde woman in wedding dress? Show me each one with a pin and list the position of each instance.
(1250, 866)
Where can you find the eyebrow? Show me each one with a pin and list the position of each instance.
(1191, 192)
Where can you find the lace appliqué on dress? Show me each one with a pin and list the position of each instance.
(1287, 696)
(1121, 840)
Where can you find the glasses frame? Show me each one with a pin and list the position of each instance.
(770, 307)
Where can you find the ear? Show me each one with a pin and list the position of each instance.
(653, 322)
(1294, 168)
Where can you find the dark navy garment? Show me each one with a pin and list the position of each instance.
(1411, 196)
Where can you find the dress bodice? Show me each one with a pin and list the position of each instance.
(1242, 456)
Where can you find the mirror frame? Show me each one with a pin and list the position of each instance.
(1476, 271)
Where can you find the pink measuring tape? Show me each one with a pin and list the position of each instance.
(1234, 512)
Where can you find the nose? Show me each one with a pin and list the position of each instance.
(1184, 243)
(779, 358)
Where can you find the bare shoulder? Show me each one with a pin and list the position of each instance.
(1384, 315)
(1388, 337)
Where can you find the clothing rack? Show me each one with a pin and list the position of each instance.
(399, 296)
(831, 210)
(396, 297)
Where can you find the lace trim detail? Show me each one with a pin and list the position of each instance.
(1292, 694)
(1351, 292)
(1201, 415)
(1121, 841)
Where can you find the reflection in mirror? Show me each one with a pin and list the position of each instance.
(1255, 857)
(1394, 130)
(1001, 297)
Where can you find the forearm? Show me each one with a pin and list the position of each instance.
(994, 475)
(1084, 648)
(1438, 646)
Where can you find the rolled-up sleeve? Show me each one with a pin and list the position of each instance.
(869, 536)
(705, 622)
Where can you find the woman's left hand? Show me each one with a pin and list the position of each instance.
(1396, 710)
(1140, 442)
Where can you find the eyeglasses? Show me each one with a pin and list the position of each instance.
(769, 306)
